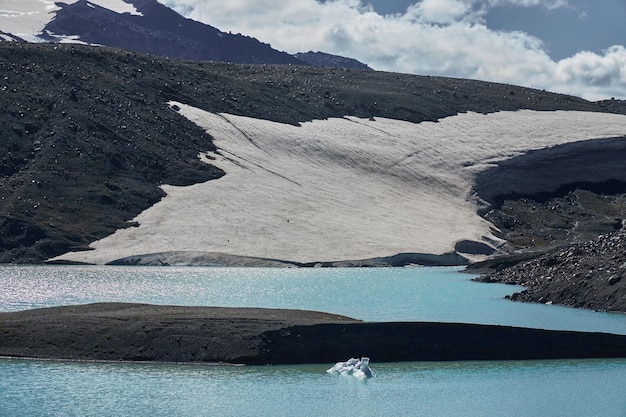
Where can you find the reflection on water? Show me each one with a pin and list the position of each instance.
(373, 294)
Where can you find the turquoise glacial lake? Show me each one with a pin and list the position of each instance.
(499, 388)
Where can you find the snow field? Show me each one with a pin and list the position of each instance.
(341, 189)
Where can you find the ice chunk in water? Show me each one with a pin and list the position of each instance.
(355, 367)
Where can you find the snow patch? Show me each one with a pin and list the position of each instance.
(26, 18)
(118, 6)
(341, 189)
(74, 39)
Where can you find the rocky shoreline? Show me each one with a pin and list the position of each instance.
(589, 275)
(568, 250)
(150, 333)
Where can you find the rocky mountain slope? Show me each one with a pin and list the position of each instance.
(90, 137)
(158, 30)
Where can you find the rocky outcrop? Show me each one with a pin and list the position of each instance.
(589, 274)
(561, 211)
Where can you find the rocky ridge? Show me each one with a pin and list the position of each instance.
(321, 59)
(156, 29)
(146, 26)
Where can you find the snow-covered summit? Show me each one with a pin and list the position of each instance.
(27, 19)
(137, 25)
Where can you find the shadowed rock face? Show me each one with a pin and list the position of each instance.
(552, 171)
(141, 332)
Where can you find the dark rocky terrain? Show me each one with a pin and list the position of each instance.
(321, 59)
(88, 139)
(139, 332)
(568, 250)
(567, 246)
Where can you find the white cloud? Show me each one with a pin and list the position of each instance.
(603, 75)
(435, 37)
(440, 11)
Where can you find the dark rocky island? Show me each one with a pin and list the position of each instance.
(139, 332)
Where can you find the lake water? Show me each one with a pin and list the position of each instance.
(521, 388)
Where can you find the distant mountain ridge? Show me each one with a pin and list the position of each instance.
(322, 59)
(146, 26)
(159, 30)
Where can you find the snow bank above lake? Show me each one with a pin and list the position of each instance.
(341, 189)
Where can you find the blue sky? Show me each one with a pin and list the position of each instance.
(569, 46)
(581, 25)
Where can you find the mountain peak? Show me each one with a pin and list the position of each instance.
(145, 26)
(138, 25)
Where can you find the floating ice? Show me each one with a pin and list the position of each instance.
(357, 368)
